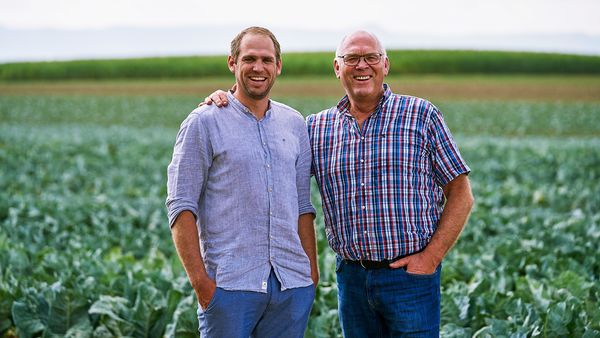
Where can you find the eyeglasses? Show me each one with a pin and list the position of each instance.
(354, 59)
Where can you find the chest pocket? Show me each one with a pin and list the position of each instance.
(403, 153)
(284, 149)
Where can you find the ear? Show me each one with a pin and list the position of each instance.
(386, 66)
(231, 64)
(336, 67)
(279, 66)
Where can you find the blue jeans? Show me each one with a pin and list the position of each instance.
(387, 302)
(243, 314)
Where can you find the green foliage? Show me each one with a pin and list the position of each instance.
(526, 264)
(308, 64)
(490, 118)
(85, 249)
(490, 62)
(522, 119)
(168, 67)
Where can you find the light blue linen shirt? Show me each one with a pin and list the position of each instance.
(246, 181)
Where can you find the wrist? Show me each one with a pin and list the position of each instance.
(432, 255)
(200, 283)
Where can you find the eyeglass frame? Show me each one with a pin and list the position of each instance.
(363, 57)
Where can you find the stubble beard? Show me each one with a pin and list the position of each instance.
(256, 95)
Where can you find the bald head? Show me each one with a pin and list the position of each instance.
(355, 36)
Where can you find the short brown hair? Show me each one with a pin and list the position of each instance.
(235, 43)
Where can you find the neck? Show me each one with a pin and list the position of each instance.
(258, 108)
(364, 106)
(362, 109)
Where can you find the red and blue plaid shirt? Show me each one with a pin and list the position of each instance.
(382, 186)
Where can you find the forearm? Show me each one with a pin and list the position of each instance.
(306, 232)
(185, 237)
(454, 216)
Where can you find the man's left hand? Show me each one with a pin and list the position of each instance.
(419, 264)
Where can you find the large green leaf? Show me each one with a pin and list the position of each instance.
(83, 329)
(28, 318)
(557, 320)
(66, 312)
(113, 307)
(149, 315)
(185, 320)
(6, 301)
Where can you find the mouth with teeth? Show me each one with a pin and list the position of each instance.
(258, 78)
(362, 77)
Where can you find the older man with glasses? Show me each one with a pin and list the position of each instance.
(395, 196)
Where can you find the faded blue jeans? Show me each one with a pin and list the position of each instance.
(387, 302)
(243, 314)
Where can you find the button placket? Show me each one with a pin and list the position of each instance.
(269, 185)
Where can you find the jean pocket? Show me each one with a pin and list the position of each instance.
(339, 263)
(211, 303)
(422, 276)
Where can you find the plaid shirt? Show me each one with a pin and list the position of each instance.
(381, 186)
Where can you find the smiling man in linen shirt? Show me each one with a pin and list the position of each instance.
(239, 204)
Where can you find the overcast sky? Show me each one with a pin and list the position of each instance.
(422, 16)
(437, 18)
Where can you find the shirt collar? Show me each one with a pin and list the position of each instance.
(241, 108)
(344, 105)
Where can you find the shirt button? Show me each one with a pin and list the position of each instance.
(362, 184)
(363, 207)
(270, 189)
(271, 213)
(268, 166)
(362, 138)
(362, 161)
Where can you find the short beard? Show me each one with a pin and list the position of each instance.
(258, 96)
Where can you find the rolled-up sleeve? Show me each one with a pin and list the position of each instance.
(188, 170)
(303, 167)
(447, 160)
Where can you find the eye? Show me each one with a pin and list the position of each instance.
(372, 58)
(351, 58)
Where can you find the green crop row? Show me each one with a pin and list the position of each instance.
(308, 64)
(490, 118)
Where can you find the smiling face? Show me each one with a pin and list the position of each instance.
(255, 67)
(362, 82)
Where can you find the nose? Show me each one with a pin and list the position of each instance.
(258, 65)
(362, 63)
